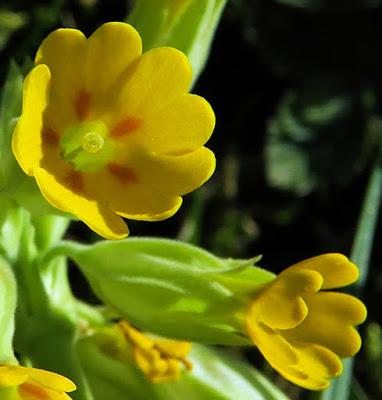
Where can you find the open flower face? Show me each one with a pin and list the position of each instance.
(35, 384)
(302, 330)
(108, 132)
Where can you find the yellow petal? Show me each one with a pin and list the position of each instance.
(316, 365)
(109, 51)
(153, 80)
(280, 305)
(34, 391)
(158, 182)
(96, 214)
(133, 200)
(275, 349)
(63, 51)
(178, 127)
(12, 375)
(174, 175)
(26, 142)
(51, 380)
(329, 323)
(336, 269)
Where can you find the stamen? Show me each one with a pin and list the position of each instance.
(126, 126)
(159, 359)
(123, 174)
(82, 104)
(92, 142)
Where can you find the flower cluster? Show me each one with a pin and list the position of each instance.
(108, 132)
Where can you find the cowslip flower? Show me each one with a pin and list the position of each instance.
(302, 329)
(159, 359)
(108, 132)
(34, 383)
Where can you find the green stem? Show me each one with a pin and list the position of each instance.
(360, 255)
(47, 321)
(363, 240)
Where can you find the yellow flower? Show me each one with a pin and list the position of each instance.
(108, 132)
(35, 384)
(158, 358)
(303, 331)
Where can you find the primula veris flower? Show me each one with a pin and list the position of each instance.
(158, 358)
(108, 132)
(303, 329)
(35, 384)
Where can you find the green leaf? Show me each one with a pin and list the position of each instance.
(321, 135)
(188, 25)
(10, 22)
(8, 294)
(310, 4)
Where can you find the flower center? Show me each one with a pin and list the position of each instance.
(92, 142)
(87, 147)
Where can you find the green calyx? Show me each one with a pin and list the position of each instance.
(87, 147)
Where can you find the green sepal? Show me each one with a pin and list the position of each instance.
(215, 376)
(172, 288)
(188, 25)
(9, 393)
(219, 375)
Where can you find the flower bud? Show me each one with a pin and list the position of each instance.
(172, 288)
(112, 374)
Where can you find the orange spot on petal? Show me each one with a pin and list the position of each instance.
(49, 136)
(123, 174)
(82, 104)
(75, 181)
(126, 126)
(33, 391)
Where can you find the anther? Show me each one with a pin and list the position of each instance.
(92, 142)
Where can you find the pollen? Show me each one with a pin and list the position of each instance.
(92, 142)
